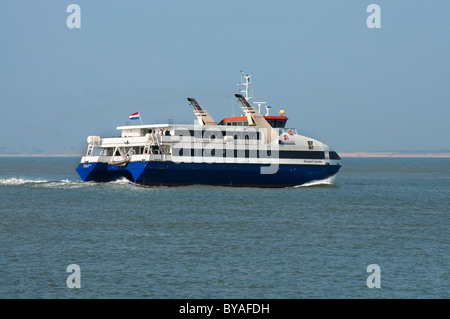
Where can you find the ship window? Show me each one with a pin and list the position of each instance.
(334, 156)
(155, 149)
(302, 154)
(234, 123)
(281, 123)
(311, 145)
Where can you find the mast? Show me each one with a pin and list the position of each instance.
(245, 81)
(254, 116)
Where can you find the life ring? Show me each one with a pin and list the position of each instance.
(290, 132)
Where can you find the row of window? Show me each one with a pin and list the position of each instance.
(276, 123)
(252, 135)
(248, 153)
(272, 122)
(235, 123)
(234, 153)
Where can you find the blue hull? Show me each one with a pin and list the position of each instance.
(169, 173)
(103, 172)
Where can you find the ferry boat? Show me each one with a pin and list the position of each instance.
(252, 150)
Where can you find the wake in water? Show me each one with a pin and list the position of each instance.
(121, 183)
(64, 183)
(19, 181)
(322, 182)
(41, 183)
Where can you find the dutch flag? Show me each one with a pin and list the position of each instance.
(134, 116)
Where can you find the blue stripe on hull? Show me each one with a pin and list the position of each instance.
(169, 173)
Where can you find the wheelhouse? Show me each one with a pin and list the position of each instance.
(274, 121)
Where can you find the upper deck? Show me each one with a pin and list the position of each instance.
(184, 129)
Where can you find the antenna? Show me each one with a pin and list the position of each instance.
(259, 105)
(232, 107)
(245, 81)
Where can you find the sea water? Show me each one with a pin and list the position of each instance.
(315, 241)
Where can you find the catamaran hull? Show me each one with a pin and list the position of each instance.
(174, 174)
(103, 172)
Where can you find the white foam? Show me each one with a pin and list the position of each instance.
(326, 181)
(65, 183)
(19, 181)
(42, 183)
(122, 181)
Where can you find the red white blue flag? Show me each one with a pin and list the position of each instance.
(134, 116)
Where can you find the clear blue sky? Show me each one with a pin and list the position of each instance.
(354, 88)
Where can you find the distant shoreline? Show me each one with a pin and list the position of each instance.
(38, 155)
(394, 154)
